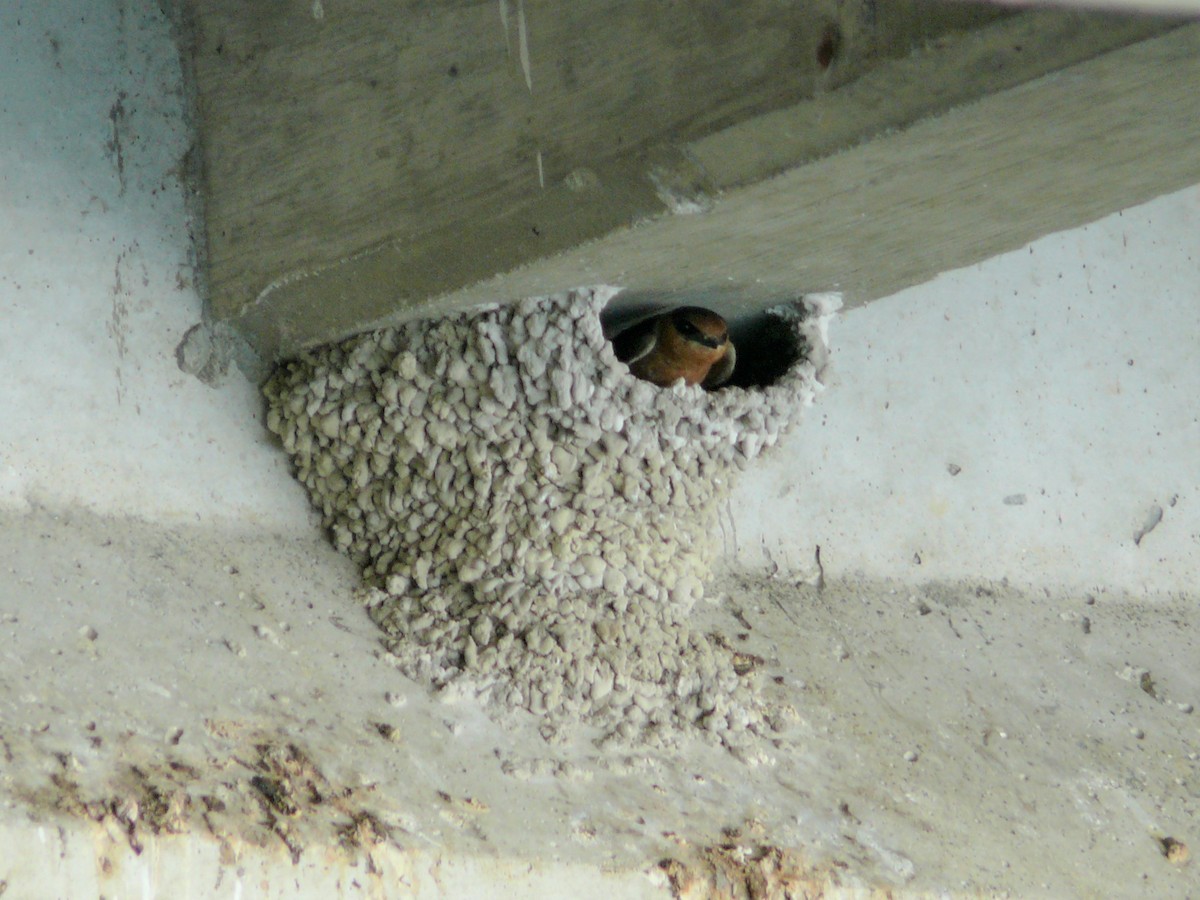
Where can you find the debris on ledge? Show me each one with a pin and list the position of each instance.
(535, 523)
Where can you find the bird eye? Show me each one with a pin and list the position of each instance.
(688, 330)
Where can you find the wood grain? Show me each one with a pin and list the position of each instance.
(385, 161)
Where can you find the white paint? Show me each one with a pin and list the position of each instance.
(541, 171)
(504, 25)
(96, 286)
(1066, 372)
(523, 45)
(69, 866)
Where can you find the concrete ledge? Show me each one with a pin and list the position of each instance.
(202, 713)
(67, 860)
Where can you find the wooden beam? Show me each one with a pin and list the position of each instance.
(947, 192)
(467, 138)
(1144, 7)
(349, 222)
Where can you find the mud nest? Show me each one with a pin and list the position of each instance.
(533, 522)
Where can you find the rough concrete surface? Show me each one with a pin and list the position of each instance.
(220, 703)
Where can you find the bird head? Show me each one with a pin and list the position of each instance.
(699, 326)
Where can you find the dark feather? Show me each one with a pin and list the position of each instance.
(636, 341)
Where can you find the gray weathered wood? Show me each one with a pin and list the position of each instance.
(984, 178)
(508, 129)
(367, 162)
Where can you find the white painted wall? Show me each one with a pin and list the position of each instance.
(1063, 379)
(96, 287)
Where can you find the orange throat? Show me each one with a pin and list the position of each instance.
(674, 358)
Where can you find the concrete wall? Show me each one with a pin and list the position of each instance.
(1032, 418)
(98, 284)
(161, 579)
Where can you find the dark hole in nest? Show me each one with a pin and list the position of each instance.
(829, 46)
(767, 346)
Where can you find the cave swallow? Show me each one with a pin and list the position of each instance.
(689, 343)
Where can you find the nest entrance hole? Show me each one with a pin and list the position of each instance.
(767, 345)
